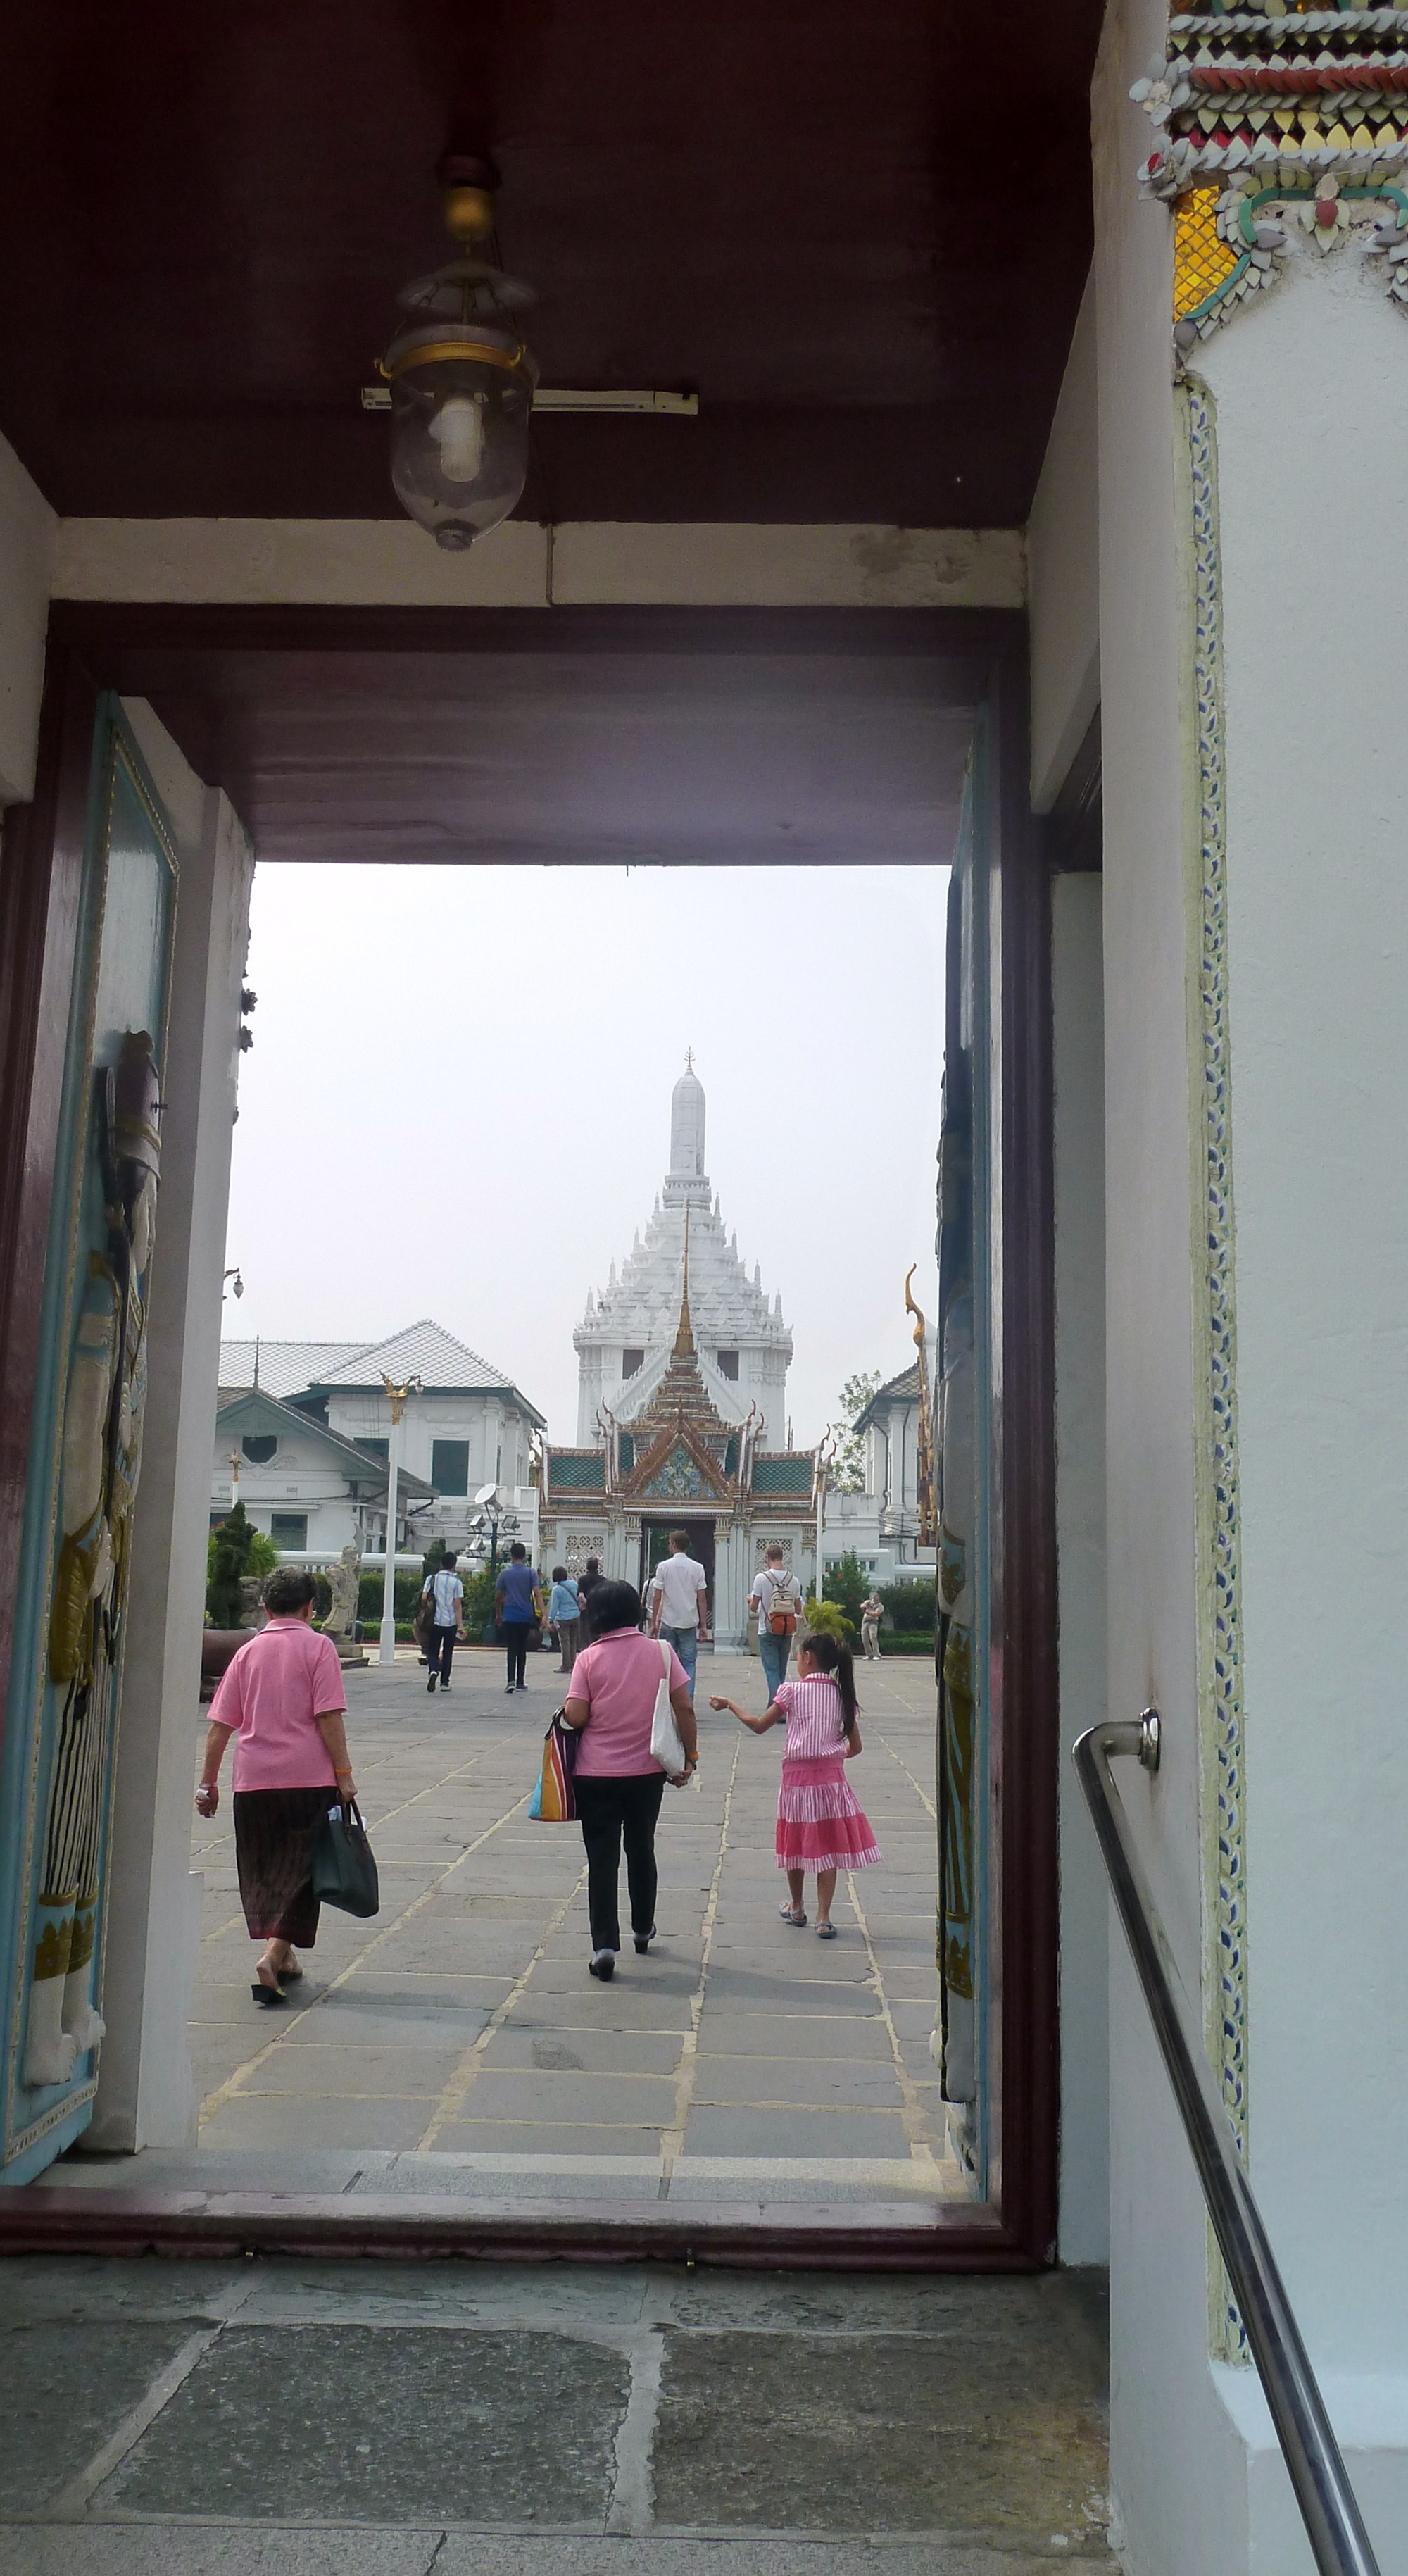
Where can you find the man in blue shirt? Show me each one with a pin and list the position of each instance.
(517, 1603)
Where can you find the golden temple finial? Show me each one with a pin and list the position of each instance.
(684, 1335)
(927, 1494)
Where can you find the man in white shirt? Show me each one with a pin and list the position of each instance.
(680, 1611)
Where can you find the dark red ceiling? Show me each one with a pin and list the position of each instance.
(859, 232)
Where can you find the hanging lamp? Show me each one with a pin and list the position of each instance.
(461, 376)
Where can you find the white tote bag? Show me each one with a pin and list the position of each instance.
(666, 1744)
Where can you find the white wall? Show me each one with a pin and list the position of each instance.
(145, 2094)
(1173, 2459)
(1310, 386)
(1078, 1049)
(27, 530)
(1063, 571)
(1317, 818)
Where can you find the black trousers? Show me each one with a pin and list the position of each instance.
(609, 1810)
(440, 1649)
(515, 1636)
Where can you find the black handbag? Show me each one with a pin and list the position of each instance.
(344, 1869)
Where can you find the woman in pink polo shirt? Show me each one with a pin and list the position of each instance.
(283, 1701)
(618, 1780)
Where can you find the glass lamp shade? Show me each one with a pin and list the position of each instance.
(459, 443)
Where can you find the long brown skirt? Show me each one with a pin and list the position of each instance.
(275, 1830)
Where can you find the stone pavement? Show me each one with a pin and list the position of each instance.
(456, 2042)
(185, 2418)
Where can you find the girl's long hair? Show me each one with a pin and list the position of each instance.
(830, 1655)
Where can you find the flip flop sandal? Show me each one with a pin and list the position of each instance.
(826, 1931)
(797, 1921)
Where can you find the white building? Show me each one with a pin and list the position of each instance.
(313, 1464)
(624, 1340)
(302, 1485)
(882, 1523)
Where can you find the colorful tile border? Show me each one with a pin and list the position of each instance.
(1219, 1521)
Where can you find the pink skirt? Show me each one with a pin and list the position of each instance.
(819, 1824)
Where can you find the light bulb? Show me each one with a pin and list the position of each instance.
(458, 432)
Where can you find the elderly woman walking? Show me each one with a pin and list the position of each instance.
(619, 1783)
(282, 1699)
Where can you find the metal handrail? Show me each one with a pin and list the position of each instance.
(1327, 2501)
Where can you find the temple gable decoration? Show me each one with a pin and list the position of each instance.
(1269, 119)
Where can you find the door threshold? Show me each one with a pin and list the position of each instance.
(882, 2236)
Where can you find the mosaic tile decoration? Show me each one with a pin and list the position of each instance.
(1267, 118)
(1220, 1540)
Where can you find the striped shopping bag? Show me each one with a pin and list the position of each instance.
(554, 1800)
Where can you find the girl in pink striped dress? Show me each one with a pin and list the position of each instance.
(819, 1825)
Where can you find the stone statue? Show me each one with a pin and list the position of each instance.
(252, 1613)
(344, 1580)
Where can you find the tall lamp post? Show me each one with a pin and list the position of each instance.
(490, 1521)
(826, 1450)
(396, 1397)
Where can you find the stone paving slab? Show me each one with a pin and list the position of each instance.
(383, 2424)
(861, 2038)
(734, 2131)
(811, 2083)
(62, 2393)
(757, 2431)
(511, 2140)
(282, 2119)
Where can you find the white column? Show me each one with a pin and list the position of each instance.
(145, 2094)
(1256, 985)
(386, 1652)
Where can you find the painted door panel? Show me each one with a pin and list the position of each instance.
(85, 1457)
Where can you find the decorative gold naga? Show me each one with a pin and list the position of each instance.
(928, 1499)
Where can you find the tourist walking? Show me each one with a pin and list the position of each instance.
(778, 1595)
(592, 1581)
(445, 1593)
(618, 1782)
(281, 1697)
(871, 1614)
(517, 1603)
(680, 1611)
(565, 1612)
(820, 1827)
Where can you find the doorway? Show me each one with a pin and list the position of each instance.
(234, 691)
(655, 1545)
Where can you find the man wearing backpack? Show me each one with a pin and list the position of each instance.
(778, 1595)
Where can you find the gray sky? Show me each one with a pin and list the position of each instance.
(457, 1103)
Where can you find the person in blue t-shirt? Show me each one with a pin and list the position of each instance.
(517, 1603)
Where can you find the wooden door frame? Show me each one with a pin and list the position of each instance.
(978, 655)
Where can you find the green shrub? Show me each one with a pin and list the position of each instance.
(831, 1619)
(405, 1592)
(234, 1550)
(845, 1584)
(478, 1598)
(909, 1607)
